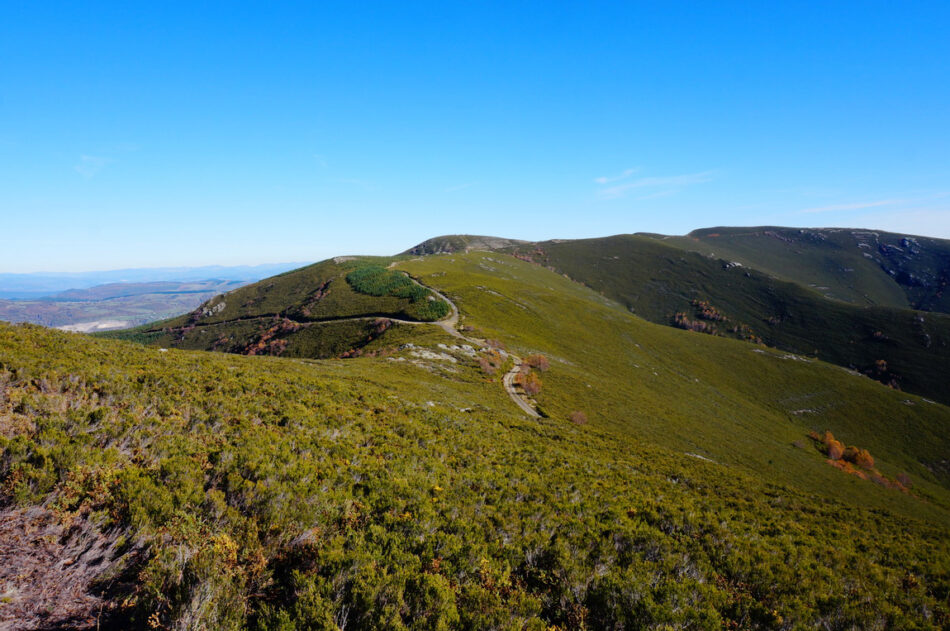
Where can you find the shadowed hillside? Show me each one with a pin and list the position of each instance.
(865, 267)
(899, 347)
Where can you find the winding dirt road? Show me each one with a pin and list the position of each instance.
(450, 326)
(508, 381)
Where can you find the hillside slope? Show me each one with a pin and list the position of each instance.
(900, 347)
(461, 243)
(864, 267)
(670, 480)
(322, 310)
(232, 492)
(677, 388)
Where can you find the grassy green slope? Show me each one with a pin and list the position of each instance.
(864, 267)
(656, 280)
(728, 400)
(310, 312)
(314, 293)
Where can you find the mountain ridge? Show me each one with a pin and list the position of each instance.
(668, 282)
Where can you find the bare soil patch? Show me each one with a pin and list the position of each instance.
(50, 572)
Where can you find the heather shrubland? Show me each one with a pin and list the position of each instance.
(273, 494)
(403, 489)
(330, 309)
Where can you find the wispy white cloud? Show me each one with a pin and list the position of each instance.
(853, 206)
(460, 187)
(931, 221)
(910, 212)
(122, 147)
(670, 184)
(89, 166)
(907, 200)
(616, 178)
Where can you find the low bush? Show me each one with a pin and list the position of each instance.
(538, 362)
(531, 383)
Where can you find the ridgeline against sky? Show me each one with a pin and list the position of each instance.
(191, 135)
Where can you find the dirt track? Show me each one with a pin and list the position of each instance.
(450, 326)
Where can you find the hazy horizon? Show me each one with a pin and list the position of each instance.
(291, 264)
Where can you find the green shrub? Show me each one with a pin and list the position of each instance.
(376, 280)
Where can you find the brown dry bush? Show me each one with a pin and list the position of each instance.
(490, 362)
(864, 459)
(531, 383)
(538, 362)
(835, 449)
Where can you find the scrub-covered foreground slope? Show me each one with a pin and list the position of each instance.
(670, 481)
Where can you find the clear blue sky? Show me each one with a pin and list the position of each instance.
(194, 133)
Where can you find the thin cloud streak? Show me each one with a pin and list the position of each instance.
(672, 183)
(855, 206)
(356, 182)
(616, 178)
(656, 195)
(930, 221)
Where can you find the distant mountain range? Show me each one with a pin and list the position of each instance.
(43, 284)
(114, 306)
(81, 302)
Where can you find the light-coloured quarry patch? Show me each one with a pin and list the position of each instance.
(95, 325)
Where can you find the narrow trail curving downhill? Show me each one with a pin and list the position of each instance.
(450, 326)
(508, 381)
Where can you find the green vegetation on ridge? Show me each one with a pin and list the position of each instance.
(376, 280)
(864, 267)
(323, 310)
